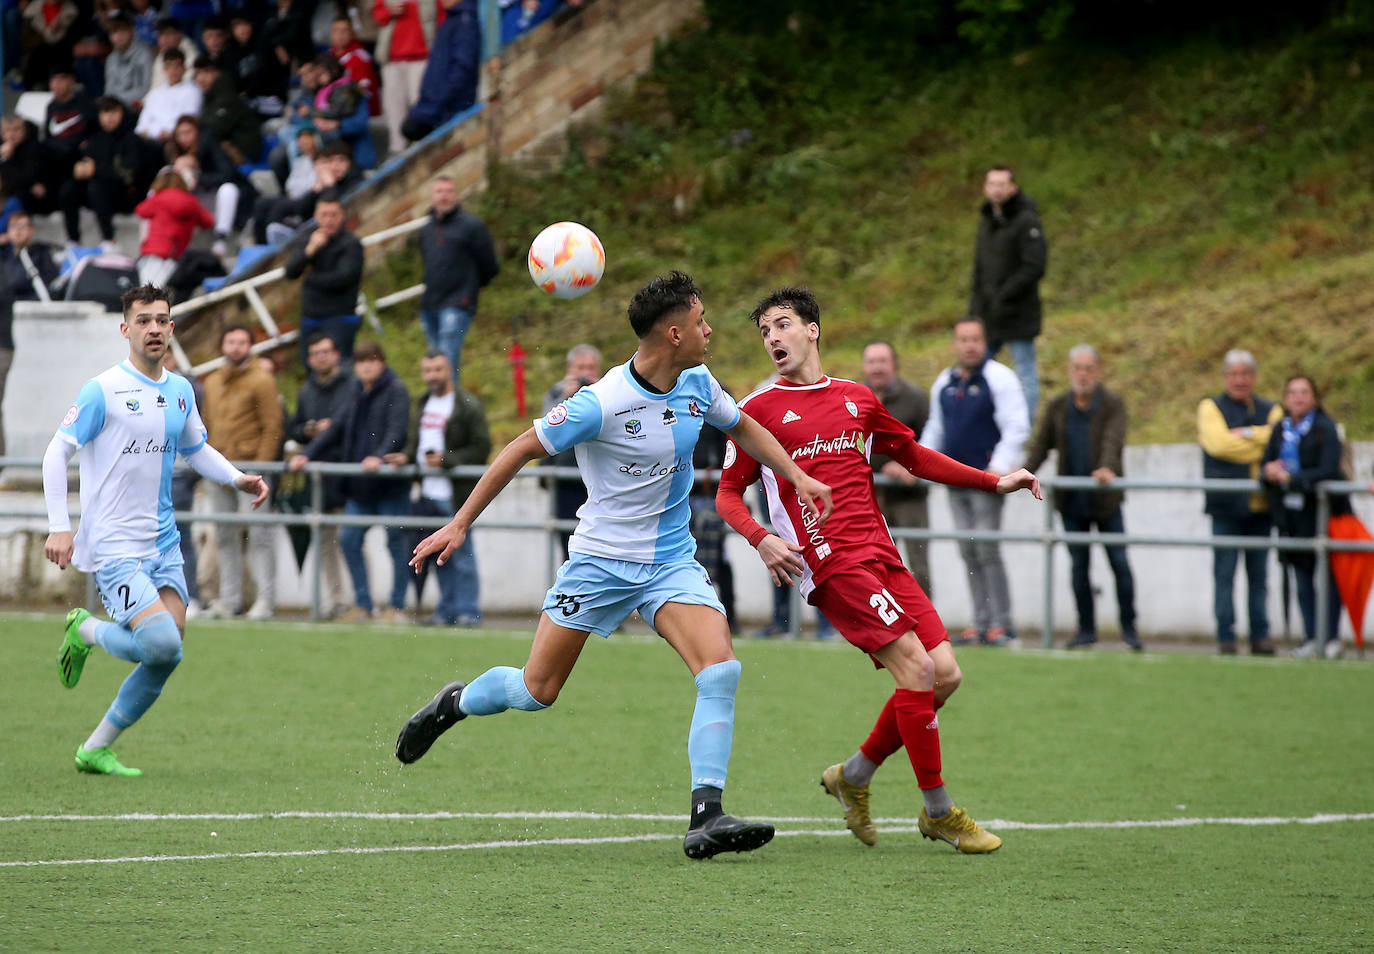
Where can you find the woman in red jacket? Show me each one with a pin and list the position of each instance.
(174, 214)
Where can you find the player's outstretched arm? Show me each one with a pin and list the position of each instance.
(59, 546)
(502, 470)
(1019, 480)
(212, 465)
(758, 443)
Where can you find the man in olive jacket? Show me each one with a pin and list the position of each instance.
(1008, 263)
(448, 429)
(1087, 426)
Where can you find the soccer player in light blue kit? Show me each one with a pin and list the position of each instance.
(634, 431)
(129, 423)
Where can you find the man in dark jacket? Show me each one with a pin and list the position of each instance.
(1008, 263)
(323, 398)
(1233, 429)
(449, 85)
(1086, 425)
(448, 429)
(227, 119)
(371, 427)
(27, 268)
(24, 164)
(332, 262)
(459, 259)
(112, 174)
(69, 121)
(335, 171)
(903, 503)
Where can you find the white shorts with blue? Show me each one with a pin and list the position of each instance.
(595, 594)
(129, 586)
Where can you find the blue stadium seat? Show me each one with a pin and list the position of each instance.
(246, 257)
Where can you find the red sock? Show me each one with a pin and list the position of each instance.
(885, 738)
(920, 734)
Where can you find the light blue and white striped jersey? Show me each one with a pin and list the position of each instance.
(634, 449)
(129, 429)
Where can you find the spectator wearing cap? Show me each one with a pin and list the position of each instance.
(171, 37)
(403, 44)
(344, 47)
(330, 264)
(48, 36)
(109, 177)
(227, 119)
(165, 104)
(450, 83)
(129, 67)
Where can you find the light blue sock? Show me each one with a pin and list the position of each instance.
(157, 645)
(496, 690)
(713, 724)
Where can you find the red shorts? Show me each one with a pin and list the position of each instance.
(872, 604)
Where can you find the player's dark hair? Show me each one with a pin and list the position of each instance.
(230, 329)
(665, 295)
(368, 351)
(146, 294)
(799, 300)
(971, 320)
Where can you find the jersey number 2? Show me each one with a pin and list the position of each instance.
(888, 608)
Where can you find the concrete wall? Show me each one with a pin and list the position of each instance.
(1173, 584)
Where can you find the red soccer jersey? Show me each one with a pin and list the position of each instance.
(830, 428)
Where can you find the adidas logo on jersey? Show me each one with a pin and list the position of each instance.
(791, 416)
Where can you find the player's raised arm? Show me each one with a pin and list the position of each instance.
(446, 539)
(754, 439)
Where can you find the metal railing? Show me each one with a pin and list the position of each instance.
(248, 288)
(551, 526)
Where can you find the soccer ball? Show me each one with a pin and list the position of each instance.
(566, 260)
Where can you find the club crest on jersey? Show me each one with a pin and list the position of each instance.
(791, 416)
(669, 417)
(161, 401)
(131, 403)
(693, 409)
(633, 427)
(851, 407)
(181, 404)
(729, 455)
(557, 415)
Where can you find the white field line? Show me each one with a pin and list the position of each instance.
(891, 826)
(1190, 822)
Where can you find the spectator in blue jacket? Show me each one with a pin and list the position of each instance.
(450, 83)
(372, 426)
(978, 416)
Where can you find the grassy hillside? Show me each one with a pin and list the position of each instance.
(1195, 198)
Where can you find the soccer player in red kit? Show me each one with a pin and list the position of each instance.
(850, 569)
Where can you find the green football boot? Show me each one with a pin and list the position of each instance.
(103, 762)
(71, 658)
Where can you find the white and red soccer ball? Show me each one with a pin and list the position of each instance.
(566, 260)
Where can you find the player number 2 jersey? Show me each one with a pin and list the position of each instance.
(129, 429)
(634, 449)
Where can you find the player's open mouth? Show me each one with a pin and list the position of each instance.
(779, 354)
